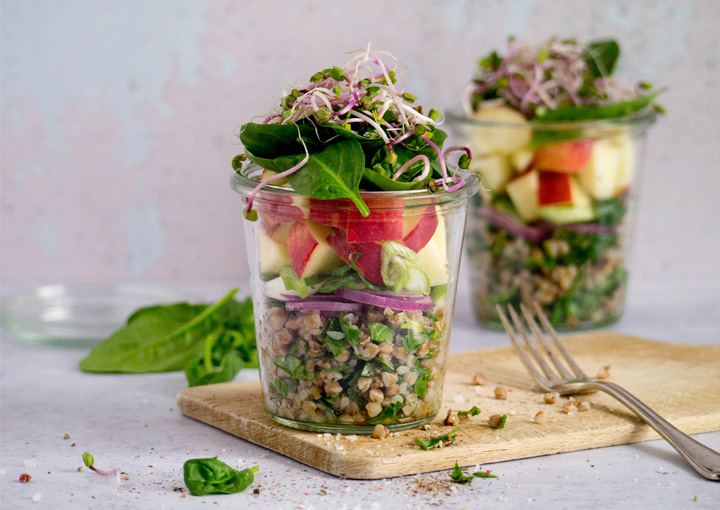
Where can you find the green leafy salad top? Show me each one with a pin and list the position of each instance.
(349, 129)
(557, 81)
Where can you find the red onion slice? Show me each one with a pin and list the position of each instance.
(314, 297)
(396, 303)
(502, 220)
(322, 306)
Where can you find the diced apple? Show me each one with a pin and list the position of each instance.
(309, 250)
(599, 176)
(433, 257)
(523, 191)
(384, 223)
(419, 226)
(494, 169)
(272, 254)
(366, 256)
(580, 210)
(511, 134)
(553, 188)
(267, 174)
(520, 160)
(281, 208)
(626, 164)
(568, 157)
(332, 213)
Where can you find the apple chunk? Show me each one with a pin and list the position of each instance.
(272, 254)
(567, 157)
(366, 256)
(579, 210)
(384, 223)
(512, 131)
(626, 165)
(332, 212)
(599, 176)
(494, 169)
(419, 227)
(309, 250)
(523, 191)
(554, 188)
(433, 257)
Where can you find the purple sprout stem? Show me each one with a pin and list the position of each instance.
(422, 176)
(443, 168)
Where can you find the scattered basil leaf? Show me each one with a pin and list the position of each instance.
(473, 411)
(388, 415)
(483, 474)
(458, 476)
(446, 439)
(380, 332)
(213, 476)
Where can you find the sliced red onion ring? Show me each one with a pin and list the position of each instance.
(588, 228)
(502, 220)
(322, 306)
(314, 297)
(396, 303)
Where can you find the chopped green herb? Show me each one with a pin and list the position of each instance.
(381, 332)
(473, 411)
(458, 476)
(445, 439)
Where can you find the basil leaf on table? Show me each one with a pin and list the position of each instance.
(213, 476)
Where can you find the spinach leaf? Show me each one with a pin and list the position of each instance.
(423, 378)
(213, 476)
(458, 476)
(280, 386)
(351, 332)
(332, 336)
(270, 141)
(601, 57)
(388, 415)
(294, 367)
(199, 373)
(380, 332)
(334, 172)
(413, 341)
(160, 338)
(445, 439)
(572, 113)
(473, 411)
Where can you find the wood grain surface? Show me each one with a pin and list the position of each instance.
(681, 382)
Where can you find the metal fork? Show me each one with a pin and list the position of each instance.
(567, 378)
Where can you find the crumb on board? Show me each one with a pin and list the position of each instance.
(603, 373)
(501, 393)
(479, 379)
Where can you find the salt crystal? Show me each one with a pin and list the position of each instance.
(459, 398)
(351, 438)
(30, 463)
(36, 497)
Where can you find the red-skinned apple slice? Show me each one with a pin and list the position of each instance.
(332, 213)
(365, 255)
(309, 250)
(567, 157)
(419, 227)
(553, 188)
(384, 223)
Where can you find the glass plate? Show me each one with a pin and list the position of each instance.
(80, 315)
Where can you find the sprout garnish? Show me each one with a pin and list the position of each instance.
(361, 103)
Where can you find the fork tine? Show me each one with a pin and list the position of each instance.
(539, 358)
(553, 335)
(532, 370)
(547, 348)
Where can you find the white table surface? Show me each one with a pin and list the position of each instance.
(131, 422)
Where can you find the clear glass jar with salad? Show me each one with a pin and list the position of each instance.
(558, 145)
(354, 244)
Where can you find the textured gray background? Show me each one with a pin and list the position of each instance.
(117, 118)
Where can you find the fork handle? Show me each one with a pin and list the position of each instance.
(703, 459)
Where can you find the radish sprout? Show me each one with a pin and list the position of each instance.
(363, 98)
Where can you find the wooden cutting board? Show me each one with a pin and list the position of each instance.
(681, 382)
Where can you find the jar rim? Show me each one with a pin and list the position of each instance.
(244, 183)
(638, 120)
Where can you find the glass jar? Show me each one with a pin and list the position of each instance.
(552, 220)
(353, 313)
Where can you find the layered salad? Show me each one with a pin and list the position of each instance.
(353, 219)
(556, 143)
